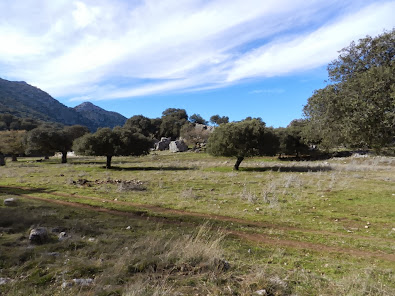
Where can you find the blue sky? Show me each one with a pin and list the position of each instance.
(239, 58)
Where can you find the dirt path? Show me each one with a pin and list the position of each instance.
(253, 237)
(222, 218)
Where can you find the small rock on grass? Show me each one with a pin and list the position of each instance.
(38, 235)
(10, 202)
(4, 281)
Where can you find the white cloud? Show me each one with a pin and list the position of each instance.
(80, 48)
(314, 49)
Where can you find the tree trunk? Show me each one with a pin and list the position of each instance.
(2, 159)
(13, 157)
(64, 157)
(238, 162)
(46, 157)
(108, 164)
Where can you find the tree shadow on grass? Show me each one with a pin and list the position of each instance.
(169, 168)
(289, 169)
(10, 190)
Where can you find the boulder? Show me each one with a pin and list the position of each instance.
(38, 235)
(63, 236)
(10, 202)
(4, 281)
(163, 144)
(178, 146)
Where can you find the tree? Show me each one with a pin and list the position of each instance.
(196, 118)
(48, 140)
(172, 121)
(11, 142)
(358, 108)
(291, 138)
(142, 125)
(11, 122)
(271, 142)
(109, 143)
(217, 120)
(41, 140)
(240, 139)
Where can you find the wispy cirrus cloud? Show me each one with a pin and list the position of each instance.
(80, 49)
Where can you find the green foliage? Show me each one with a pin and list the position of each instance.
(358, 110)
(11, 122)
(271, 142)
(239, 139)
(11, 142)
(291, 138)
(196, 118)
(142, 125)
(109, 143)
(217, 120)
(172, 121)
(47, 140)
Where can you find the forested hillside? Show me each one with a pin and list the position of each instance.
(25, 101)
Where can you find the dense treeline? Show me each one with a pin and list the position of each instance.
(357, 109)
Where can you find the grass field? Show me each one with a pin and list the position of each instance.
(186, 224)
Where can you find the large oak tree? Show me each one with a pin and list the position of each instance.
(112, 142)
(358, 108)
(238, 139)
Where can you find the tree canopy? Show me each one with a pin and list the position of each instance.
(172, 121)
(197, 118)
(358, 108)
(47, 140)
(109, 143)
(142, 125)
(11, 142)
(238, 139)
(217, 120)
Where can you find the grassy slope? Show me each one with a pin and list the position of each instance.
(344, 204)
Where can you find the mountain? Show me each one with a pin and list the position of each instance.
(99, 116)
(23, 100)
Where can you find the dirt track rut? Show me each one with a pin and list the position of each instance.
(252, 237)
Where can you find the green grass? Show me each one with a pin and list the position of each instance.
(343, 206)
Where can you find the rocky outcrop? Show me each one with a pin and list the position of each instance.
(178, 146)
(163, 144)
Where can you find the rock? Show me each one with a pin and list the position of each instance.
(63, 236)
(83, 282)
(178, 146)
(66, 285)
(4, 281)
(38, 235)
(260, 292)
(163, 144)
(10, 202)
(52, 254)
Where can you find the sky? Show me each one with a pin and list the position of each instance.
(236, 58)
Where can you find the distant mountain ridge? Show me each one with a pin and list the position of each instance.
(99, 116)
(23, 100)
